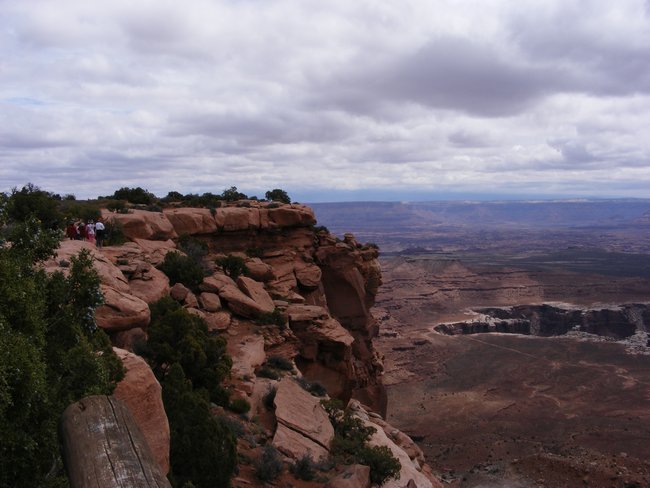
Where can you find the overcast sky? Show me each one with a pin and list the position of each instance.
(329, 100)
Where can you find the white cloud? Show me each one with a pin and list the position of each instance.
(475, 96)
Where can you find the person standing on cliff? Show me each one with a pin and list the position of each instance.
(99, 232)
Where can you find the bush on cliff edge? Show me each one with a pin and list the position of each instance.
(51, 351)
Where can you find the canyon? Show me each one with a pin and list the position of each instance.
(514, 337)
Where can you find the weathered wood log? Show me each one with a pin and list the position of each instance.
(103, 447)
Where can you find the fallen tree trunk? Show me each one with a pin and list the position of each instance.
(103, 447)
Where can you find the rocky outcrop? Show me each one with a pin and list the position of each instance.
(142, 224)
(141, 393)
(303, 425)
(547, 320)
(350, 279)
(305, 299)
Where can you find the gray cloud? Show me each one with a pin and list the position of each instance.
(549, 97)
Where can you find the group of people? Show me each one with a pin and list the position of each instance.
(90, 231)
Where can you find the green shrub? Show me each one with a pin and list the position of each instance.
(266, 372)
(351, 436)
(304, 468)
(269, 466)
(239, 405)
(278, 362)
(203, 449)
(269, 397)
(314, 387)
(272, 318)
(231, 194)
(193, 247)
(255, 252)
(233, 266)
(177, 336)
(278, 195)
(31, 201)
(134, 195)
(182, 269)
(51, 353)
(113, 234)
(321, 228)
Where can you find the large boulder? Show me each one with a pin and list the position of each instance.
(109, 274)
(141, 392)
(292, 216)
(142, 224)
(121, 311)
(303, 424)
(255, 290)
(191, 221)
(149, 284)
(233, 218)
(155, 251)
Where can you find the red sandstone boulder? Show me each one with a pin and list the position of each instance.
(109, 274)
(178, 292)
(216, 282)
(150, 284)
(259, 271)
(303, 425)
(308, 274)
(233, 218)
(256, 291)
(121, 311)
(292, 216)
(191, 221)
(209, 302)
(217, 321)
(142, 224)
(155, 251)
(141, 393)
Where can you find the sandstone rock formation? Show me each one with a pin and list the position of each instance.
(141, 393)
(303, 425)
(305, 298)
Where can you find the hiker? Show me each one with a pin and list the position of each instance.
(71, 231)
(99, 232)
(90, 232)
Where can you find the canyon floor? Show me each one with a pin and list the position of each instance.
(505, 410)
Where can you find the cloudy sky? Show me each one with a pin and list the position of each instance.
(330, 100)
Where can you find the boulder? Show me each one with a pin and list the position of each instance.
(308, 275)
(233, 218)
(109, 274)
(302, 421)
(240, 303)
(292, 216)
(330, 330)
(151, 285)
(141, 224)
(121, 311)
(178, 292)
(355, 476)
(191, 221)
(141, 392)
(217, 321)
(306, 313)
(128, 339)
(209, 302)
(216, 282)
(155, 251)
(255, 290)
(191, 301)
(259, 271)
(296, 445)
